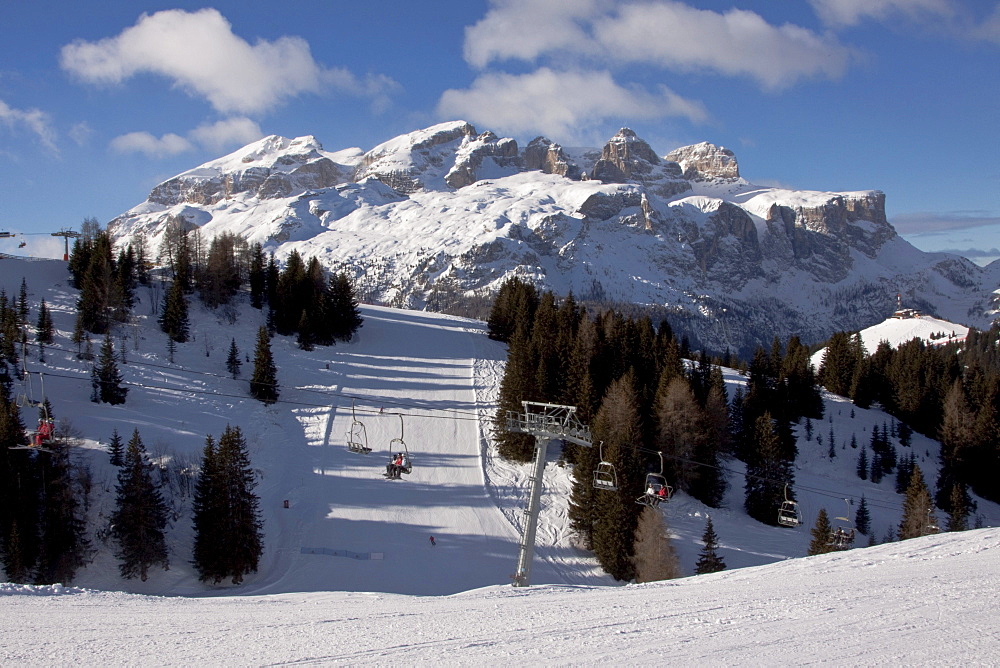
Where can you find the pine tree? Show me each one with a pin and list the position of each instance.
(258, 276)
(918, 510)
(264, 381)
(862, 518)
(174, 314)
(821, 533)
(43, 328)
(862, 468)
(109, 379)
(228, 528)
(655, 557)
(958, 511)
(616, 515)
(708, 560)
(63, 542)
(140, 516)
(233, 362)
(116, 449)
(209, 520)
(342, 308)
(767, 473)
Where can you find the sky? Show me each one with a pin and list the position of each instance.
(99, 102)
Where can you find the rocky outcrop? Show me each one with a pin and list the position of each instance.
(301, 166)
(627, 158)
(542, 155)
(470, 156)
(407, 162)
(700, 162)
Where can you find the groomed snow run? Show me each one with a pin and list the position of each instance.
(927, 601)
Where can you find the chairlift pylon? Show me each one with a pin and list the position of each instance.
(399, 456)
(605, 477)
(657, 489)
(789, 514)
(357, 437)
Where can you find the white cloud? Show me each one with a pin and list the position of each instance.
(200, 54)
(154, 147)
(525, 29)
(736, 42)
(226, 133)
(664, 33)
(931, 223)
(851, 12)
(36, 121)
(80, 133)
(560, 104)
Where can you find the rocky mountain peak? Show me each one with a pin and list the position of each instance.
(704, 161)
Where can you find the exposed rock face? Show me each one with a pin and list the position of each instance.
(438, 213)
(301, 166)
(470, 157)
(705, 161)
(543, 155)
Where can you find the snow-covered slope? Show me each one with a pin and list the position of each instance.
(444, 213)
(442, 374)
(897, 331)
(927, 601)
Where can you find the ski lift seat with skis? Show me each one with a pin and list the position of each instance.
(843, 537)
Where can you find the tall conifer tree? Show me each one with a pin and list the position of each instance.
(709, 560)
(264, 381)
(140, 516)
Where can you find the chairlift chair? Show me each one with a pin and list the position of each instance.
(37, 438)
(843, 537)
(605, 477)
(397, 446)
(657, 490)
(789, 514)
(357, 437)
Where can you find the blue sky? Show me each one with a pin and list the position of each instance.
(99, 102)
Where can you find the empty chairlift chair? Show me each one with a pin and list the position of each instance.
(605, 477)
(357, 437)
(789, 514)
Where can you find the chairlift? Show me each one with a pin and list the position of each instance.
(398, 451)
(357, 437)
(843, 536)
(605, 477)
(657, 489)
(38, 437)
(788, 514)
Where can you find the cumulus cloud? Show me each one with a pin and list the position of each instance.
(736, 42)
(560, 103)
(525, 29)
(664, 33)
(150, 145)
(36, 121)
(200, 54)
(226, 133)
(851, 12)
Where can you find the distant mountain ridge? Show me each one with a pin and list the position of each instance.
(446, 213)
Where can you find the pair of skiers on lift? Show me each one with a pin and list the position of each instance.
(44, 432)
(394, 469)
(656, 495)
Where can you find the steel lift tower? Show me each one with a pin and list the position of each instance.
(546, 422)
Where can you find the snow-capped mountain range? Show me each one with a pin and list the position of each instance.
(447, 212)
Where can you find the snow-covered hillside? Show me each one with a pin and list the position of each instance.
(926, 601)
(897, 331)
(346, 528)
(444, 213)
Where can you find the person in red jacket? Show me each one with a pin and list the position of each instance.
(44, 432)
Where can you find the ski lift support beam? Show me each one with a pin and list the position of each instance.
(66, 235)
(546, 422)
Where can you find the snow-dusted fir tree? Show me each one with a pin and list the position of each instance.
(233, 362)
(116, 449)
(709, 560)
(264, 381)
(918, 508)
(108, 377)
(140, 516)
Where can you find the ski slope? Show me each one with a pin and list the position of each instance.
(926, 601)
